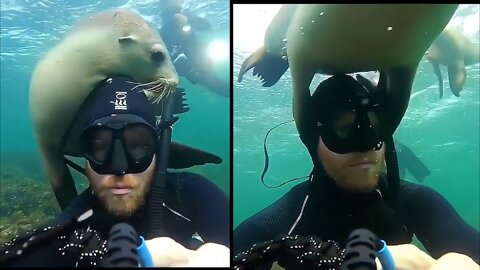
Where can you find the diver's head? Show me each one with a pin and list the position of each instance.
(348, 142)
(119, 141)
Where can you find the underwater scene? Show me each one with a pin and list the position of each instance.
(442, 132)
(29, 29)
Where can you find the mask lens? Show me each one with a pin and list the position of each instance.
(343, 124)
(139, 142)
(97, 143)
(375, 123)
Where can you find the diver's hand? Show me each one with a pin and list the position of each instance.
(410, 257)
(166, 252)
(454, 260)
(210, 255)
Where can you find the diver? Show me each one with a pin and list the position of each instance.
(348, 137)
(182, 31)
(178, 213)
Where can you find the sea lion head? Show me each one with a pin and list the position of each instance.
(148, 62)
(124, 43)
(143, 55)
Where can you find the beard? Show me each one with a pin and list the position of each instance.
(123, 205)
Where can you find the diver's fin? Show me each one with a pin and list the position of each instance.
(457, 76)
(411, 162)
(183, 156)
(438, 72)
(75, 166)
(270, 68)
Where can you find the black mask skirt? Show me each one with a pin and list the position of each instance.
(347, 116)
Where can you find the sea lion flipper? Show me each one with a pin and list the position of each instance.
(397, 83)
(60, 178)
(269, 67)
(457, 76)
(438, 72)
(183, 156)
(251, 61)
(180, 104)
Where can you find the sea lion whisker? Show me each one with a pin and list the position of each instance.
(144, 84)
(161, 89)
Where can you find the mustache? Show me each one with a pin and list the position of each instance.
(124, 205)
(364, 159)
(115, 181)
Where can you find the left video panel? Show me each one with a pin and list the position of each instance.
(116, 134)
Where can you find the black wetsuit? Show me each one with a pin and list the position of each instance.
(333, 214)
(193, 205)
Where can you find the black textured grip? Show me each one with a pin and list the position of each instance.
(360, 252)
(122, 246)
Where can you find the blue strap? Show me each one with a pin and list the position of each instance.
(385, 257)
(145, 256)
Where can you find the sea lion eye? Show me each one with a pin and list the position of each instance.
(126, 40)
(158, 56)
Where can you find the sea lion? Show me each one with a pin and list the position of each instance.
(113, 42)
(344, 38)
(454, 50)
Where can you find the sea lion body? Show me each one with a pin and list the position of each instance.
(454, 50)
(348, 38)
